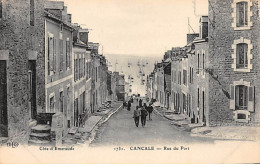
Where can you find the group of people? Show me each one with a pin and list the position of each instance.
(128, 104)
(142, 111)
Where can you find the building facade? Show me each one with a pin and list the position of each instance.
(234, 61)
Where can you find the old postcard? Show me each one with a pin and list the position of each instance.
(129, 81)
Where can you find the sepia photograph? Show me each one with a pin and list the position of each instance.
(129, 81)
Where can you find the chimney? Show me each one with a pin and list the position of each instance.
(83, 35)
(191, 37)
(203, 27)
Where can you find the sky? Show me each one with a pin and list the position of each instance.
(137, 27)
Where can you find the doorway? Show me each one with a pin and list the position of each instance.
(3, 99)
(32, 86)
(203, 108)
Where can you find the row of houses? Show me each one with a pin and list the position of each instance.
(48, 66)
(214, 79)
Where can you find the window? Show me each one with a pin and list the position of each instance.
(61, 55)
(31, 12)
(61, 101)
(203, 63)
(84, 63)
(83, 101)
(242, 55)
(50, 55)
(1, 9)
(241, 116)
(185, 77)
(242, 96)
(54, 54)
(52, 103)
(198, 97)
(179, 78)
(75, 70)
(184, 103)
(198, 63)
(242, 14)
(190, 75)
(78, 67)
(68, 54)
(242, 59)
(96, 73)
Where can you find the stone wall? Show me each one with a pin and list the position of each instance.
(19, 37)
(221, 38)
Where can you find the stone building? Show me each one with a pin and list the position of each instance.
(234, 62)
(58, 62)
(95, 75)
(82, 76)
(22, 63)
(120, 86)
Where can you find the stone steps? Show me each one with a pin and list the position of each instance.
(40, 135)
(41, 127)
(39, 142)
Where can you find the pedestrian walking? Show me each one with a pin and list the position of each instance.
(150, 110)
(129, 105)
(140, 103)
(143, 116)
(124, 104)
(136, 116)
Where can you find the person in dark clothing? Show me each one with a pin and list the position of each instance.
(150, 110)
(124, 104)
(132, 100)
(140, 103)
(143, 116)
(136, 116)
(129, 105)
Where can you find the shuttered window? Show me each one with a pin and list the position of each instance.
(61, 55)
(251, 99)
(50, 54)
(54, 55)
(68, 59)
(242, 97)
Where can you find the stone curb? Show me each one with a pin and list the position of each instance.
(99, 123)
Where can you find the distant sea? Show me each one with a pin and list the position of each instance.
(146, 63)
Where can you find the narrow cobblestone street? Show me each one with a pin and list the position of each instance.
(121, 130)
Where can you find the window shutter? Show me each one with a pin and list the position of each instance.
(48, 46)
(54, 54)
(251, 99)
(232, 97)
(51, 53)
